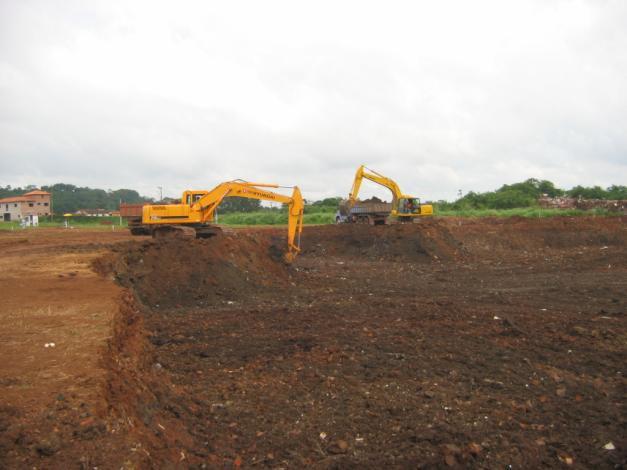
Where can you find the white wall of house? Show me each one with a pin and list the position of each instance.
(14, 209)
(30, 204)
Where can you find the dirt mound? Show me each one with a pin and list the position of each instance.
(171, 273)
(515, 235)
(373, 199)
(424, 241)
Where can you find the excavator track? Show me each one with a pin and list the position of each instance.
(185, 232)
(173, 231)
(208, 231)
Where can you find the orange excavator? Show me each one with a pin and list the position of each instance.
(195, 215)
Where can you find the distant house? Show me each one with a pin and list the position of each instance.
(34, 203)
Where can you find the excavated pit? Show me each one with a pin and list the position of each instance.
(175, 273)
(481, 343)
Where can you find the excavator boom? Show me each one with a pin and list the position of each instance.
(363, 172)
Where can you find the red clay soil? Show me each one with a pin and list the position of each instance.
(56, 316)
(472, 343)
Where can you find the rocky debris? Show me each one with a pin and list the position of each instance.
(49, 445)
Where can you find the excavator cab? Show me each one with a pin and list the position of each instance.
(408, 206)
(192, 197)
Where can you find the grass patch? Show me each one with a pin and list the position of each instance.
(93, 223)
(273, 218)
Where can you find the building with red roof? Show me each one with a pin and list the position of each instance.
(33, 203)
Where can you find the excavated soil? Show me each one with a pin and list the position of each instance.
(490, 343)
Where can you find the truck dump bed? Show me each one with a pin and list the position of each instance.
(372, 211)
(131, 210)
(364, 207)
(132, 213)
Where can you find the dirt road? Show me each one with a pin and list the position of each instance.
(475, 343)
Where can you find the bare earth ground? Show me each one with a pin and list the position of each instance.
(469, 343)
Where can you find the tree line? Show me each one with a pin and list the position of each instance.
(70, 198)
(527, 193)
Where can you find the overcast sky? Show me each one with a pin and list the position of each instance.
(440, 96)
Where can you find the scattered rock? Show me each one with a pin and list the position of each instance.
(567, 459)
(494, 383)
(338, 447)
(49, 445)
(90, 429)
(560, 392)
(609, 446)
(452, 449)
(474, 448)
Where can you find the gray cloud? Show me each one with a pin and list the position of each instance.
(458, 95)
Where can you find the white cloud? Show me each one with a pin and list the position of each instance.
(438, 95)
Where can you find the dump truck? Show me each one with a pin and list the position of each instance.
(372, 211)
(132, 213)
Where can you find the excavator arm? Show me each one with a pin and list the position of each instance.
(363, 172)
(198, 209)
(207, 205)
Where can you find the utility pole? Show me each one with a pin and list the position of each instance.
(160, 188)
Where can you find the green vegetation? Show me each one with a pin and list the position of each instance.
(70, 198)
(520, 212)
(318, 212)
(596, 192)
(239, 204)
(313, 215)
(525, 195)
(96, 223)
